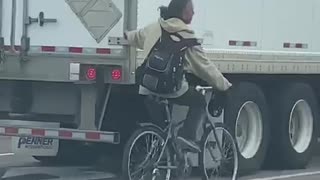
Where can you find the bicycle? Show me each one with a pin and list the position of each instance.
(161, 157)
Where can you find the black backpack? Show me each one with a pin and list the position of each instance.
(163, 69)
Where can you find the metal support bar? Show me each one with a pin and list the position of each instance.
(25, 18)
(104, 108)
(13, 26)
(1, 43)
(2, 55)
(1, 15)
(87, 107)
(132, 23)
(25, 40)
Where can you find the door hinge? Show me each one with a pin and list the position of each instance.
(117, 41)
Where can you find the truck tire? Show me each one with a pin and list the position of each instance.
(246, 114)
(294, 125)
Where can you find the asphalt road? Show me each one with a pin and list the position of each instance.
(21, 167)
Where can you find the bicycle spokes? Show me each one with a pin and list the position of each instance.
(220, 163)
(145, 153)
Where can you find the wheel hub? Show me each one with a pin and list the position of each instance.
(249, 129)
(300, 126)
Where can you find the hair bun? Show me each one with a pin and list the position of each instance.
(163, 12)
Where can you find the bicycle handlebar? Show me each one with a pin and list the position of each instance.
(200, 88)
(203, 89)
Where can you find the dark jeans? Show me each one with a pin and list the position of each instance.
(196, 114)
(196, 103)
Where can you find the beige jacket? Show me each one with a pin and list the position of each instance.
(196, 60)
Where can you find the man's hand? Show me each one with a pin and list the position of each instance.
(219, 102)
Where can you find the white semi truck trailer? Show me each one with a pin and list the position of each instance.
(67, 75)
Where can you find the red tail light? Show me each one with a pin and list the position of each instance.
(116, 74)
(91, 74)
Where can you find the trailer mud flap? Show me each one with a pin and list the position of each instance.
(36, 146)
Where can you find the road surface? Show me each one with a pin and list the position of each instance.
(20, 167)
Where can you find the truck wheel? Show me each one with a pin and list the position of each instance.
(246, 114)
(294, 126)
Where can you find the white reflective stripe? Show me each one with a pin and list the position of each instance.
(25, 131)
(35, 48)
(116, 51)
(253, 43)
(292, 45)
(89, 51)
(239, 43)
(2, 130)
(106, 137)
(62, 49)
(78, 135)
(52, 133)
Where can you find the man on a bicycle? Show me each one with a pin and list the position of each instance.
(175, 18)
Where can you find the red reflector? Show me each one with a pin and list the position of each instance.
(116, 74)
(11, 130)
(75, 50)
(48, 48)
(93, 135)
(6, 48)
(17, 48)
(299, 45)
(38, 132)
(65, 134)
(246, 43)
(91, 74)
(103, 51)
(286, 45)
(232, 43)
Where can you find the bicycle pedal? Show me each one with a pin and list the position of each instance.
(183, 167)
(184, 171)
(156, 172)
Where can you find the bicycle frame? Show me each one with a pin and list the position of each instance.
(209, 118)
(170, 129)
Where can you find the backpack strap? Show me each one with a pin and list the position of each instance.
(187, 41)
(181, 45)
(190, 42)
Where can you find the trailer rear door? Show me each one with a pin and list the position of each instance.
(86, 23)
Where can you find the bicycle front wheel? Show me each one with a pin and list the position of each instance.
(219, 154)
(141, 153)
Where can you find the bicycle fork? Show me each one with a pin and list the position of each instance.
(218, 143)
(155, 171)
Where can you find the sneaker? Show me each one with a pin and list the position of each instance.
(188, 145)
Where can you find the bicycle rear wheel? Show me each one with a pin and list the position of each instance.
(141, 152)
(216, 164)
